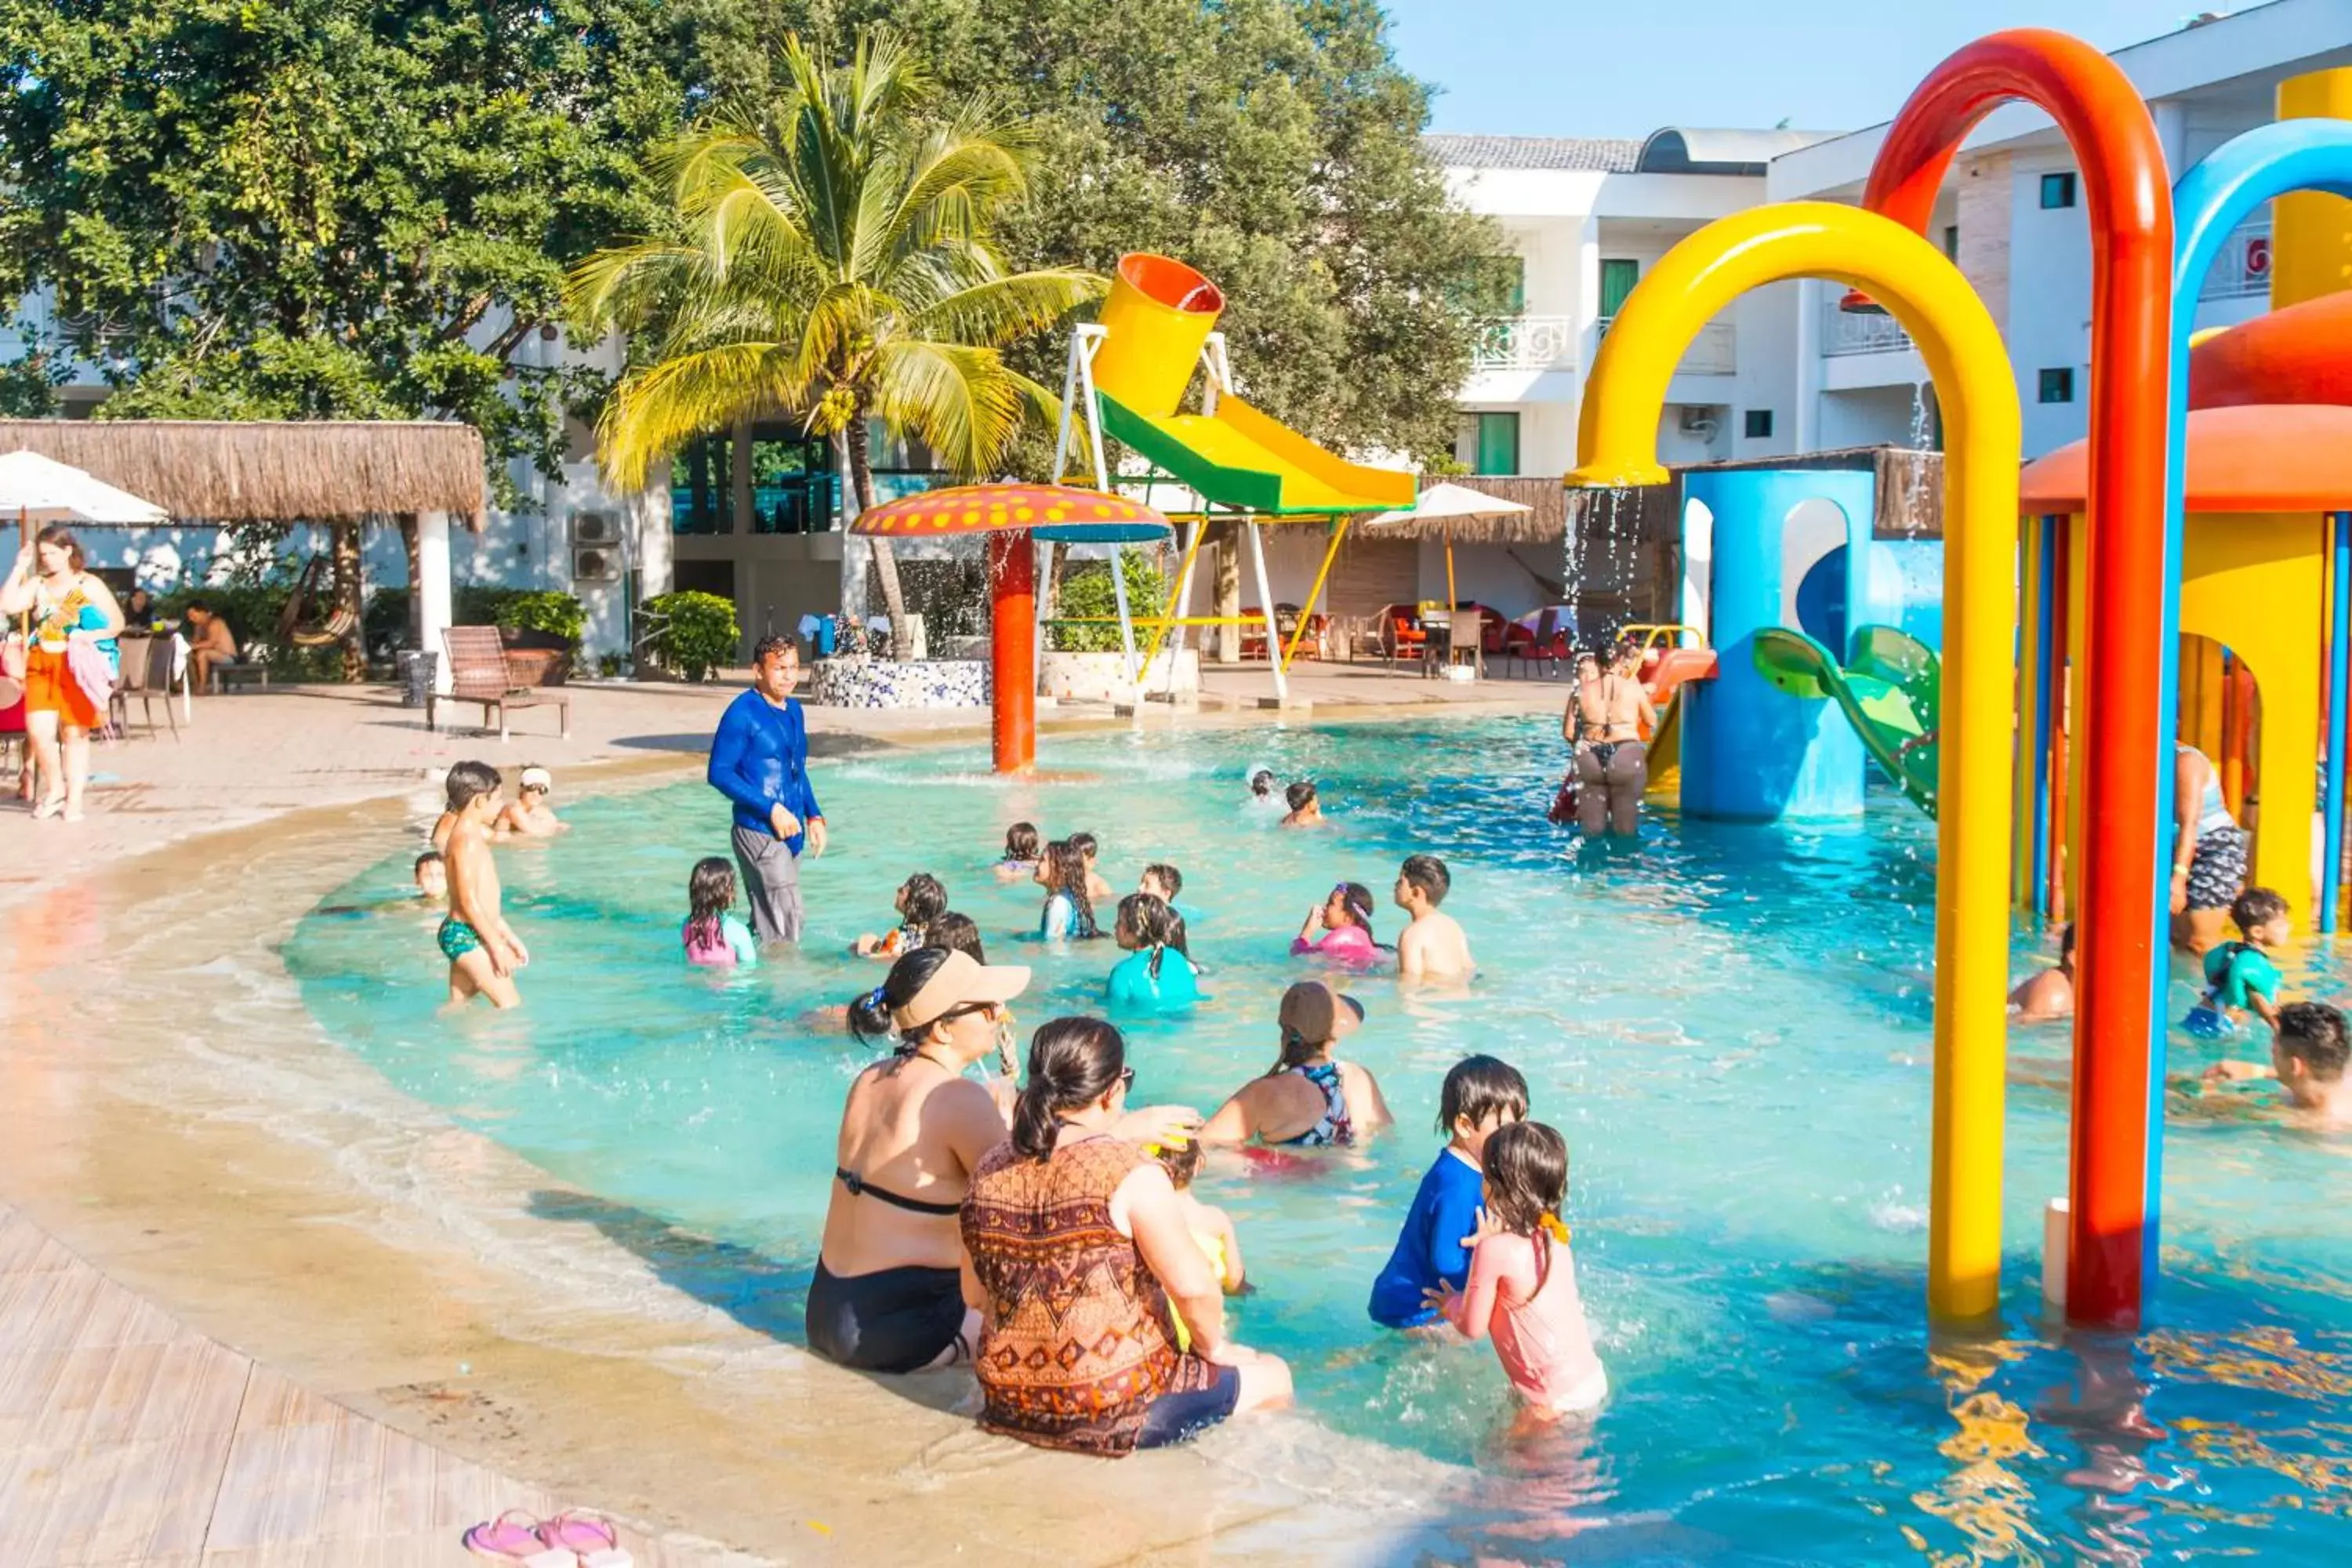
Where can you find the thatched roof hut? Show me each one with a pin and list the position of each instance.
(343, 471)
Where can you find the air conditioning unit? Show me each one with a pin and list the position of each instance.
(595, 565)
(597, 528)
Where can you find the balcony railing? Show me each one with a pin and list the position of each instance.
(2243, 267)
(1714, 352)
(1527, 342)
(1549, 342)
(1860, 332)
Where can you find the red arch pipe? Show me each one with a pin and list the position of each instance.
(2122, 160)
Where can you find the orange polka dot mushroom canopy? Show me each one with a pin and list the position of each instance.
(1059, 512)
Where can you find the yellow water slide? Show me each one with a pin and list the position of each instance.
(1159, 314)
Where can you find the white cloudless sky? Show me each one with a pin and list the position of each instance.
(1623, 68)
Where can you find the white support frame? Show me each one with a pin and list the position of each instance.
(1265, 600)
(1082, 403)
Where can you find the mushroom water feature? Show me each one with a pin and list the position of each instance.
(2127, 635)
(1013, 518)
(1617, 448)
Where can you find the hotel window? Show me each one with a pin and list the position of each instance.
(2058, 385)
(1489, 443)
(1951, 242)
(1757, 424)
(1618, 276)
(2058, 190)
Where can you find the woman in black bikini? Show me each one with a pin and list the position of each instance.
(888, 1296)
(1605, 718)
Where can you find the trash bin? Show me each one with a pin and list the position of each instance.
(416, 672)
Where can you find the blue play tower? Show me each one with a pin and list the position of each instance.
(1792, 548)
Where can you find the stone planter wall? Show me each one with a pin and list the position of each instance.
(1102, 677)
(888, 683)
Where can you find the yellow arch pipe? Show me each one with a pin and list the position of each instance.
(1617, 446)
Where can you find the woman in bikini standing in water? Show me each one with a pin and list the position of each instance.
(1603, 722)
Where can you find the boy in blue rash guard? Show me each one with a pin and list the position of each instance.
(1482, 1094)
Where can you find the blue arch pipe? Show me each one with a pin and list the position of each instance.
(2339, 708)
(2050, 682)
(2207, 202)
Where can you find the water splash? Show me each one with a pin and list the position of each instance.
(1602, 543)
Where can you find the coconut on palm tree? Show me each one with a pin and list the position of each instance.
(835, 261)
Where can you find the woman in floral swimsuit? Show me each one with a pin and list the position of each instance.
(69, 605)
(1078, 1260)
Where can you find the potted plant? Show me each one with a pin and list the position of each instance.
(540, 630)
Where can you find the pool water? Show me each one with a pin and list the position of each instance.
(1730, 1024)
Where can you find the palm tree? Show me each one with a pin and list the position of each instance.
(837, 263)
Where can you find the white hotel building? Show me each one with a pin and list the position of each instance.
(1786, 370)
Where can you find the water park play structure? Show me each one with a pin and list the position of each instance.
(1782, 574)
(2130, 576)
(2106, 593)
(1125, 380)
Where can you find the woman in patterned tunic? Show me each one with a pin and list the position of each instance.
(1075, 1250)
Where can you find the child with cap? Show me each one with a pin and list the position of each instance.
(527, 817)
(1309, 1097)
(1482, 1096)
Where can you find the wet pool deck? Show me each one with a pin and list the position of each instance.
(127, 1436)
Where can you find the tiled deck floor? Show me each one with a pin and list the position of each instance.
(126, 1438)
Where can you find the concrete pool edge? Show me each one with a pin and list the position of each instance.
(205, 1208)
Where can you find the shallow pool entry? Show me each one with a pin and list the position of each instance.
(1729, 1023)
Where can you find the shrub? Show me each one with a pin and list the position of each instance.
(385, 623)
(543, 610)
(692, 634)
(1087, 591)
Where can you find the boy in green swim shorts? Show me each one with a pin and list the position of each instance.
(482, 949)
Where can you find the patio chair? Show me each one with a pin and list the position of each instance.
(478, 673)
(146, 675)
(1401, 633)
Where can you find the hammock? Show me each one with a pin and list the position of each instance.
(339, 625)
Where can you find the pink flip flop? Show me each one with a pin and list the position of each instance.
(513, 1537)
(593, 1540)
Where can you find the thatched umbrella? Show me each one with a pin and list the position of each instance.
(1451, 511)
(1010, 516)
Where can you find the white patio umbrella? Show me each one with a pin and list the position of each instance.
(1442, 509)
(33, 486)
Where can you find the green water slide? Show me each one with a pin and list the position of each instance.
(1892, 694)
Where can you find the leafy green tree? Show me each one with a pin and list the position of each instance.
(330, 208)
(1275, 144)
(839, 264)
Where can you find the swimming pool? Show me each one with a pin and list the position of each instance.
(1730, 1024)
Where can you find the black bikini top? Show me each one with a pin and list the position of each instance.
(859, 1187)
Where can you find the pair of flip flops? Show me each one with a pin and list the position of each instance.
(567, 1540)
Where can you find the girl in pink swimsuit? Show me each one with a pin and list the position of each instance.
(1522, 1284)
(1345, 919)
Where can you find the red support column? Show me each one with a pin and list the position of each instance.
(1013, 647)
(2124, 735)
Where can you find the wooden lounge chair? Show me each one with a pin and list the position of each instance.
(478, 673)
